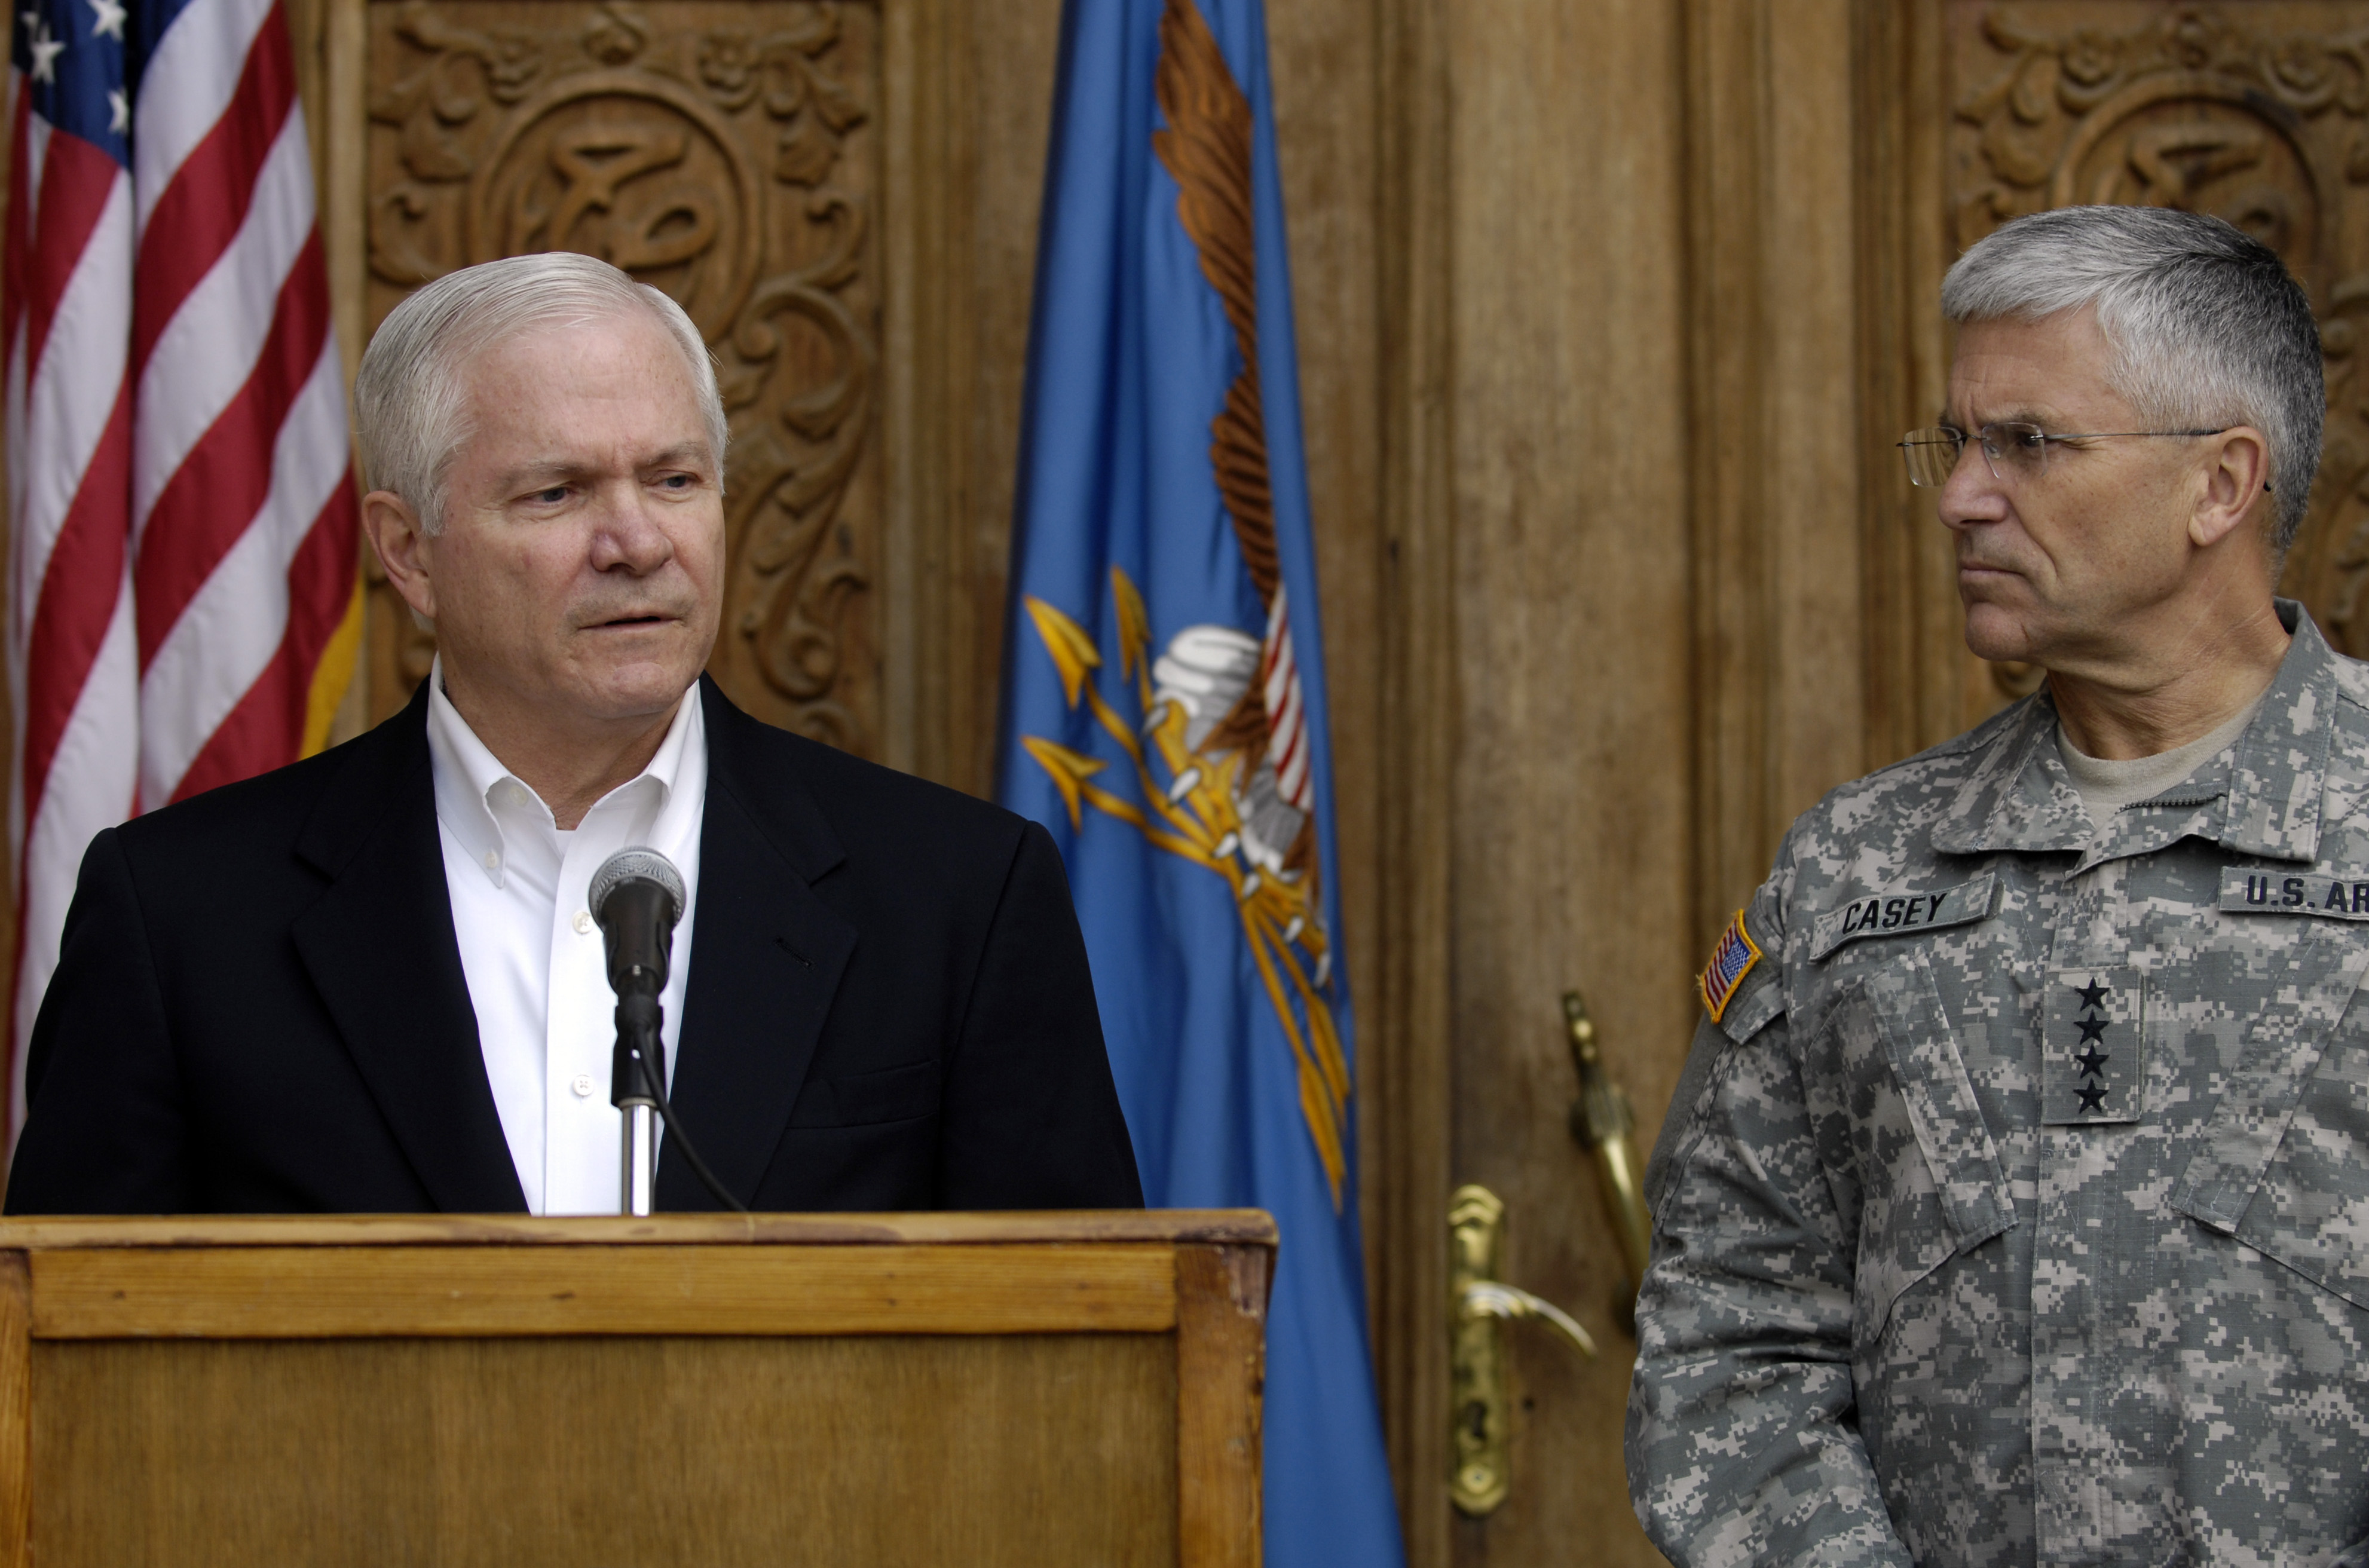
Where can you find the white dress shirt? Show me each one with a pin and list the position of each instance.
(537, 970)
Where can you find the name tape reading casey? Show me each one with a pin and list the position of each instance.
(1895, 914)
(2253, 891)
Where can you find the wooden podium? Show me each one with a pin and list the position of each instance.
(1048, 1389)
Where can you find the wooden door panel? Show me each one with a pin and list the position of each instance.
(1571, 824)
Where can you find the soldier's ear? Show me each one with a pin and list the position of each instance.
(2236, 484)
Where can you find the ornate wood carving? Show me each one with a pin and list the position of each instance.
(2256, 113)
(720, 150)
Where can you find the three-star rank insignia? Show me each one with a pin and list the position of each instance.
(2093, 1067)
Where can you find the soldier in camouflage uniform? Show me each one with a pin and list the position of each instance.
(2014, 1206)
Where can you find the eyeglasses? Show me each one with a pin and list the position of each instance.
(2014, 450)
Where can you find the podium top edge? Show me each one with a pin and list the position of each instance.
(1235, 1227)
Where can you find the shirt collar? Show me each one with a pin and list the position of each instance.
(2259, 797)
(474, 791)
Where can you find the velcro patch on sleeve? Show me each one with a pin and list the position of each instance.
(1731, 960)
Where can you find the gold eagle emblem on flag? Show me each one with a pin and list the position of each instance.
(1210, 793)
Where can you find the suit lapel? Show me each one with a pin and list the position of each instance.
(380, 947)
(766, 956)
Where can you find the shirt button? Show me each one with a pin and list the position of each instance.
(583, 1085)
(583, 923)
(493, 860)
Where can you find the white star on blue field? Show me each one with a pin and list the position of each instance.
(82, 61)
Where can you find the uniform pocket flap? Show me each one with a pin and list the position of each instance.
(2311, 985)
(2311, 1211)
(1913, 1173)
(1942, 1110)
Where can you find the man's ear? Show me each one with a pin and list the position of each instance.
(2236, 482)
(403, 548)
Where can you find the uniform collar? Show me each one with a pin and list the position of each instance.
(475, 794)
(2019, 795)
(2260, 797)
(2279, 774)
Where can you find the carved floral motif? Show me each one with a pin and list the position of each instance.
(2185, 106)
(714, 149)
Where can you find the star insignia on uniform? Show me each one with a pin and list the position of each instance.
(2093, 1100)
(46, 49)
(2093, 995)
(2092, 1062)
(2093, 1030)
(110, 19)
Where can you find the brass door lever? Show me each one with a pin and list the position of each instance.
(1493, 1299)
(1480, 1305)
(1606, 1127)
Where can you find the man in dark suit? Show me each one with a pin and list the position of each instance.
(360, 983)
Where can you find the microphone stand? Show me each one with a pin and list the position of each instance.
(637, 896)
(636, 1083)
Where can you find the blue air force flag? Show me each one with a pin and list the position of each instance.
(1164, 697)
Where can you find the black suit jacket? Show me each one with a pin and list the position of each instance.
(259, 1005)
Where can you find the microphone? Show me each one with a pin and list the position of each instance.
(636, 898)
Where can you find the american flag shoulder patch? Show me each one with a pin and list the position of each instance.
(1730, 962)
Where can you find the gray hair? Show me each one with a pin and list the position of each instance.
(2207, 328)
(411, 411)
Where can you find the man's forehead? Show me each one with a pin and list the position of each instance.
(526, 446)
(568, 391)
(2024, 369)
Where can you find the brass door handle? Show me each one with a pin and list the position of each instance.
(1606, 1127)
(1493, 1299)
(1480, 1305)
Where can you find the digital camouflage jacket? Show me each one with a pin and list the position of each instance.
(2015, 1208)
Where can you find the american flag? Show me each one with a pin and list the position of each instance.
(1731, 960)
(182, 602)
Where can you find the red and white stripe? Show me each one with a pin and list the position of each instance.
(182, 590)
(1286, 710)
